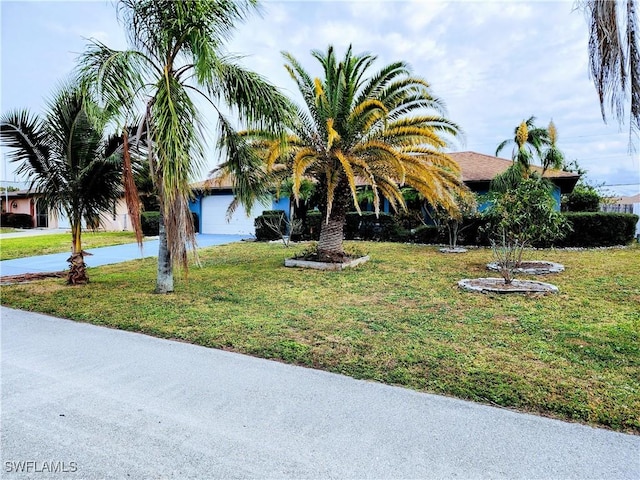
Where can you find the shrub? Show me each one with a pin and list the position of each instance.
(150, 223)
(427, 234)
(16, 220)
(369, 226)
(311, 228)
(599, 229)
(584, 198)
(265, 233)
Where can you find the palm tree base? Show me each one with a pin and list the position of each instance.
(77, 274)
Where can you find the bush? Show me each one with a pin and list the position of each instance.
(150, 223)
(16, 220)
(312, 223)
(599, 229)
(265, 233)
(427, 234)
(584, 198)
(369, 226)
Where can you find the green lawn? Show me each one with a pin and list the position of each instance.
(7, 230)
(58, 242)
(399, 319)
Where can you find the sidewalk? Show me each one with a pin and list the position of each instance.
(115, 404)
(57, 262)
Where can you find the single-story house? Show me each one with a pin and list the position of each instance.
(624, 205)
(23, 201)
(212, 200)
(478, 170)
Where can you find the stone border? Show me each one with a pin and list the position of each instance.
(292, 262)
(453, 250)
(544, 268)
(497, 285)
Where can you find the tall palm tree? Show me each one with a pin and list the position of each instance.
(383, 128)
(72, 166)
(176, 55)
(614, 58)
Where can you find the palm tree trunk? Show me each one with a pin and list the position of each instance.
(77, 274)
(330, 248)
(164, 281)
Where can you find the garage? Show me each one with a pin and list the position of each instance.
(214, 216)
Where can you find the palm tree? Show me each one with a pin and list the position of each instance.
(384, 129)
(71, 165)
(177, 55)
(529, 142)
(614, 57)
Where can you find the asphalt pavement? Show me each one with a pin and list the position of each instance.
(91, 402)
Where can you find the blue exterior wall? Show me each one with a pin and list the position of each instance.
(283, 203)
(195, 205)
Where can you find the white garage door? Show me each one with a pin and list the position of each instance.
(214, 216)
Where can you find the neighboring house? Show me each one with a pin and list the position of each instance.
(624, 205)
(24, 201)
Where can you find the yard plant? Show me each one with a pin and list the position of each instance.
(400, 319)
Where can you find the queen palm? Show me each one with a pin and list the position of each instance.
(176, 55)
(72, 166)
(384, 129)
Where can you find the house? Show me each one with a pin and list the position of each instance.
(211, 203)
(26, 202)
(478, 170)
(212, 199)
(624, 205)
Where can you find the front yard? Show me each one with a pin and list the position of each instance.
(399, 319)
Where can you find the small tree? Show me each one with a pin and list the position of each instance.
(454, 223)
(519, 217)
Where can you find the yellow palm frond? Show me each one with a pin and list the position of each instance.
(302, 161)
(348, 171)
(332, 134)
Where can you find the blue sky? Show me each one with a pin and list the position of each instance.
(493, 63)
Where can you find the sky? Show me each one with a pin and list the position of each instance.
(493, 64)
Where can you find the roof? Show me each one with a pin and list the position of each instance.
(477, 167)
(627, 200)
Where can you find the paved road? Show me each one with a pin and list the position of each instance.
(57, 262)
(114, 404)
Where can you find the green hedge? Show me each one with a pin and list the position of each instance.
(265, 233)
(150, 223)
(599, 229)
(16, 220)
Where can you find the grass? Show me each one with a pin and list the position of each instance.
(7, 230)
(399, 319)
(21, 247)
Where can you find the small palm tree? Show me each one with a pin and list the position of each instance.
(384, 129)
(177, 55)
(72, 166)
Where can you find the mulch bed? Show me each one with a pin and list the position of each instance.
(30, 277)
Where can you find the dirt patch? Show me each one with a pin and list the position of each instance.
(30, 277)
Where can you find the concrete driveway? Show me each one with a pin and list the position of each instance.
(57, 262)
(100, 403)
